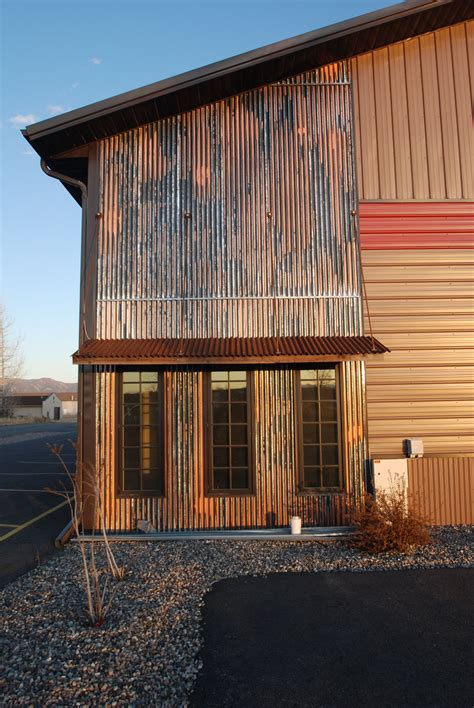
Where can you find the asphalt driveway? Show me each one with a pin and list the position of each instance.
(394, 638)
(30, 516)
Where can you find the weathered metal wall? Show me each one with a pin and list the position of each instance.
(442, 489)
(185, 504)
(413, 117)
(234, 219)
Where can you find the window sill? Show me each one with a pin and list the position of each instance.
(319, 492)
(140, 494)
(230, 493)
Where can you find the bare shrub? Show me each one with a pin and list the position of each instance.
(98, 581)
(387, 525)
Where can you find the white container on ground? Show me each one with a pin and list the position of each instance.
(295, 525)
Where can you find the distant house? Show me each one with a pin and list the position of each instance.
(28, 405)
(60, 405)
(250, 229)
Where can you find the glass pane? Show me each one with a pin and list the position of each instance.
(131, 436)
(311, 455)
(309, 375)
(148, 376)
(238, 391)
(312, 477)
(330, 455)
(131, 457)
(220, 391)
(149, 436)
(329, 432)
(240, 479)
(221, 457)
(238, 376)
(310, 433)
(220, 412)
(221, 479)
(220, 434)
(152, 479)
(131, 414)
(129, 376)
(238, 412)
(327, 385)
(131, 480)
(310, 411)
(219, 376)
(328, 410)
(239, 456)
(238, 434)
(129, 388)
(150, 415)
(331, 477)
(150, 395)
(150, 458)
(309, 391)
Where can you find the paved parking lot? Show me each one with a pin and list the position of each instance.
(31, 516)
(333, 640)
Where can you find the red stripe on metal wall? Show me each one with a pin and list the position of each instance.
(416, 225)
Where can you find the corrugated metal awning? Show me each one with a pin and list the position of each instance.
(253, 350)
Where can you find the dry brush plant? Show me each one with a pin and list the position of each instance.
(386, 524)
(99, 585)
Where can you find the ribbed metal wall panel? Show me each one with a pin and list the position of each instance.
(236, 219)
(442, 489)
(185, 504)
(413, 117)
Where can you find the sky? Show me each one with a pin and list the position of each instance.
(64, 54)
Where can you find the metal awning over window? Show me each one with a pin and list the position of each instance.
(229, 350)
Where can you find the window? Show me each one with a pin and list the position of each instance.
(230, 451)
(141, 445)
(318, 429)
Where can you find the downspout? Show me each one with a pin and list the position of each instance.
(68, 530)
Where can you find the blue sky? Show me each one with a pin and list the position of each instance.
(64, 54)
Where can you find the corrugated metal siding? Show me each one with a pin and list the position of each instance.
(185, 504)
(421, 305)
(233, 220)
(413, 117)
(442, 489)
(238, 218)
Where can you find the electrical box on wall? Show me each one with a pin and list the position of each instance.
(414, 448)
(390, 475)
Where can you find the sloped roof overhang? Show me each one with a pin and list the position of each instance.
(242, 73)
(228, 350)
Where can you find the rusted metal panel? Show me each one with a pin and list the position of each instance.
(413, 112)
(185, 504)
(256, 349)
(442, 489)
(239, 218)
(417, 225)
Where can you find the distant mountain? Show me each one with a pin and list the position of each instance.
(42, 386)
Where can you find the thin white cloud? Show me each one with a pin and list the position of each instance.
(55, 110)
(20, 120)
(95, 60)
(28, 152)
(75, 84)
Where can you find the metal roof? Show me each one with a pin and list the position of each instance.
(243, 73)
(253, 350)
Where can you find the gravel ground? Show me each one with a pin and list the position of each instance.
(147, 651)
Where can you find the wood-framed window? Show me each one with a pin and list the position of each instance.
(318, 424)
(229, 431)
(141, 454)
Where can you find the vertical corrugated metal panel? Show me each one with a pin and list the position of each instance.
(237, 218)
(185, 504)
(442, 489)
(413, 113)
(234, 220)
